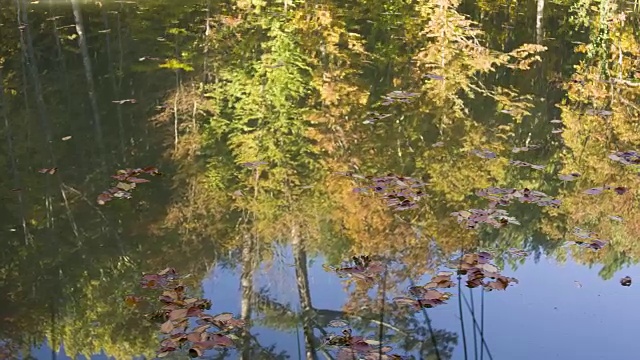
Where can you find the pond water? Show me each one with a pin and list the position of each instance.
(426, 179)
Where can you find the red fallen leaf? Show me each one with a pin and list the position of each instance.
(178, 314)
(215, 340)
(136, 180)
(620, 190)
(625, 281)
(153, 281)
(194, 311)
(120, 177)
(358, 344)
(151, 170)
(49, 171)
(167, 327)
(104, 197)
(220, 340)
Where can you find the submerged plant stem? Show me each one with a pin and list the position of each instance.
(475, 333)
(464, 335)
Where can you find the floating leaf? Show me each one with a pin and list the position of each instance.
(594, 191)
(167, 327)
(374, 117)
(569, 177)
(492, 216)
(124, 101)
(338, 323)
(126, 186)
(131, 300)
(525, 164)
(485, 154)
(434, 77)
(598, 112)
(524, 148)
(49, 171)
(178, 314)
(398, 97)
(517, 252)
(253, 164)
(626, 157)
(223, 317)
(620, 190)
(136, 180)
(625, 281)
(503, 197)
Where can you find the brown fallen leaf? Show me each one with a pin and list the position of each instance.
(178, 314)
(167, 327)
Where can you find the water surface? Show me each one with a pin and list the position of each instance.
(305, 166)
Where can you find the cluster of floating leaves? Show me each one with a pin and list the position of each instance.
(361, 267)
(525, 164)
(588, 239)
(495, 217)
(357, 347)
(626, 157)
(502, 196)
(374, 117)
(428, 295)
(477, 267)
(620, 190)
(177, 312)
(399, 192)
(398, 97)
(481, 272)
(127, 181)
